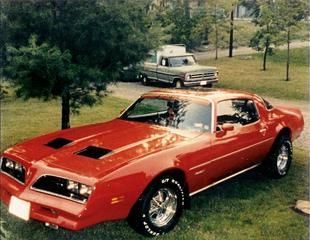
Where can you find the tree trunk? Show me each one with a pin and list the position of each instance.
(187, 9)
(65, 110)
(265, 54)
(216, 42)
(231, 34)
(288, 54)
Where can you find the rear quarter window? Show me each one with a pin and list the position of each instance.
(267, 104)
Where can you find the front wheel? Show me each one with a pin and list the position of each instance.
(178, 84)
(280, 158)
(159, 209)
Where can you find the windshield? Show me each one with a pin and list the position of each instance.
(179, 114)
(181, 61)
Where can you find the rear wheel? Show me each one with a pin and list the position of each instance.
(159, 209)
(145, 80)
(280, 158)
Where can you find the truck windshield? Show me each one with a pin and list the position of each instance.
(179, 114)
(181, 61)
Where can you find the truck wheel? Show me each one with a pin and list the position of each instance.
(145, 80)
(178, 84)
(159, 209)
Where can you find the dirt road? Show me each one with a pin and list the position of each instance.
(133, 90)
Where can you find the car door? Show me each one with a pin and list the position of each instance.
(239, 139)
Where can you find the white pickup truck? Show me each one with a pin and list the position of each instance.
(172, 64)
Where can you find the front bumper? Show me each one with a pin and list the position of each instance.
(202, 82)
(46, 208)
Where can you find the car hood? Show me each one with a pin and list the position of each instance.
(194, 69)
(110, 146)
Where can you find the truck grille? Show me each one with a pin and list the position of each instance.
(203, 76)
(13, 169)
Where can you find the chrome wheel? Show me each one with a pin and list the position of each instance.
(282, 159)
(163, 207)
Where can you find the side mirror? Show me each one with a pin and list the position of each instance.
(228, 127)
(224, 129)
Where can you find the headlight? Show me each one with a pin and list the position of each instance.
(78, 188)
(13, 169)
(62, 187)
(187, 76)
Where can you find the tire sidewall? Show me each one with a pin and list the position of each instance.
(144, 80)
(178, 84)
(164, 182)
(283, 141)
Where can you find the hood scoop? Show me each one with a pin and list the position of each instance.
(58, 143)
(93, 152)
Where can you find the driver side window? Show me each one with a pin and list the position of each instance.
(236, 111)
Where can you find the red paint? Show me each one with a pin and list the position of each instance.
(140, 152)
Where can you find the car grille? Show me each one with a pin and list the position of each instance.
(13, 169)
(203, 76)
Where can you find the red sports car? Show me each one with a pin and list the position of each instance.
(147, 163)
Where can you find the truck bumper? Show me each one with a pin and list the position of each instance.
(199, 82)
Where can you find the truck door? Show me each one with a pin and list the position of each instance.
(163, 70)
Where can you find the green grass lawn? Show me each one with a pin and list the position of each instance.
(245, 73)
(251, 206)
(26, 119)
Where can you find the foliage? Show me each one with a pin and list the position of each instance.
(83, 44)
(267, 34)
(274, 17)
(3, 91)
(218, 26)
(183, 24)
(291, 12)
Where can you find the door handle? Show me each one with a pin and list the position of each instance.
(263, 131)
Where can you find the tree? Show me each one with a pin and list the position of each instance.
(291, 12)
(73, 48)
(217, 12)
(183, 24)
(274, 18)
(268, 33)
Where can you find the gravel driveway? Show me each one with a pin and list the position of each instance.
(132, 90)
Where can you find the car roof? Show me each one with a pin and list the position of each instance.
(177, 55)
(210, 94)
